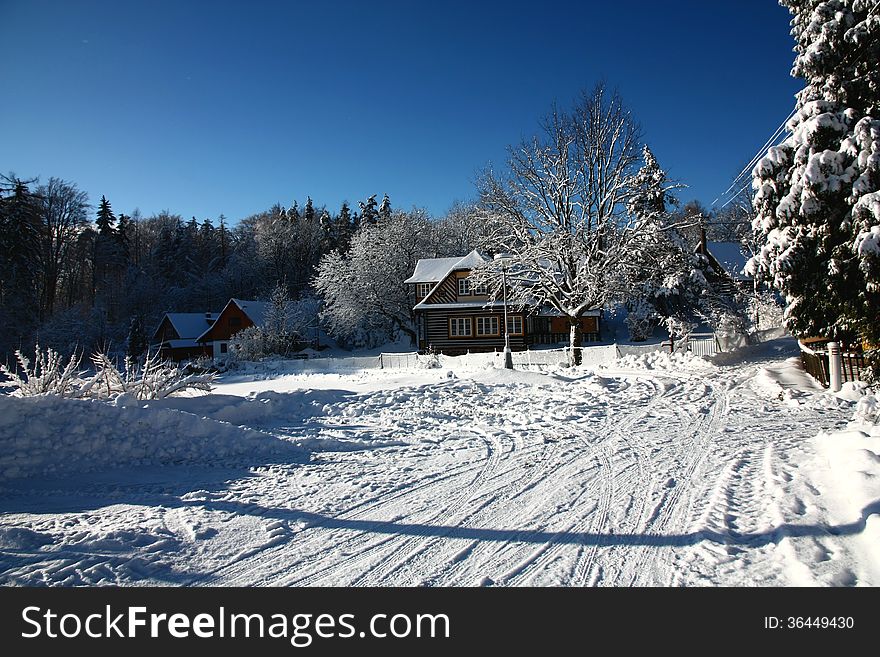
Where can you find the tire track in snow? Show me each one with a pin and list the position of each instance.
(370, 551)
(263, 564)
(671, 511)
(596, 520)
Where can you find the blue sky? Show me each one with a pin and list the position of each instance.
(204, 108)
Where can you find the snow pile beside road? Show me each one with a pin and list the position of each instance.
(663, 360)
(50, 435)
(263, 410)
(868, 411)
(850, 482)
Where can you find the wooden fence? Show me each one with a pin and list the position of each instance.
(853, 366)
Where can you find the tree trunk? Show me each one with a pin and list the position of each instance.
(574, 325)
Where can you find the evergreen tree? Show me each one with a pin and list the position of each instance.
(19, 261)
(223, 240)
(344, 227)
(308, 213)
(105, 218)
(124, 230)
(138, 342)
(659, 274)
(385, 208)
(369, 214)
(293, 213)
(817, 194)
(328, 232)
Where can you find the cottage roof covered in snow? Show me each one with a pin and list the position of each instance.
(256, 310)
(731, 257)
(190, 325)
(434, 270)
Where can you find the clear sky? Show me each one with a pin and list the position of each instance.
(216, 107)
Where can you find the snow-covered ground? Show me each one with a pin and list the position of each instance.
(653, 470)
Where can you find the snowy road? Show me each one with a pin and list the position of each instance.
(671, 474)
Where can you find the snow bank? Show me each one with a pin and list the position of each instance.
(263, 410)
(850, 482)
(51, 435)
(663, 360)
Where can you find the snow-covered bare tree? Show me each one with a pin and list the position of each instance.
(817, 194)
(559, 209)
(363, 288)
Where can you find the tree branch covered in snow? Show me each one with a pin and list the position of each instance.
(363, 289)
(559, 210)
(816, 194)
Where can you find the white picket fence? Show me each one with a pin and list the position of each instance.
(701, 344)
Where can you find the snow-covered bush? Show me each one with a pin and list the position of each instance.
(48, 375)
(430, 360)
(153, 379)
(279, 334)
(765, 311)
(868, 410)
(679, 329)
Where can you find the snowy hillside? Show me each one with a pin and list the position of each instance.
(655, 470)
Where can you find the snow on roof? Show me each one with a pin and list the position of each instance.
(434, 270)
(181, 344)
(190, 325)
(729, 255)
(255, 310)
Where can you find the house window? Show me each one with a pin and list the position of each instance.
(515, 325)
(480, 288)
(487, 326)
(460, 327)
(422, 290)
(234, 322)
(224, 348)
(464, 287)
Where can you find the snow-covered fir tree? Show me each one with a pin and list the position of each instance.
(369, 213)
(817, 194)
(385, 208)
(661, 279)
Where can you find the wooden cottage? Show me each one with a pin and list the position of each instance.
(176, 338)
(727, 262)
(236, 316)
(453, 316)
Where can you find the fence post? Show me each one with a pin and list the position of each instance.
(834, 366)
(381, 366)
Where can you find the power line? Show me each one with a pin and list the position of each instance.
(761, 151)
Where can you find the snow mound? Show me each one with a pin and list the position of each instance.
(55, 436)
(868, 410)
(261, 410)
(662, 360)
(502, 376)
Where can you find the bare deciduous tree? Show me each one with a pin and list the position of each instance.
(560, 209)
(64, 211)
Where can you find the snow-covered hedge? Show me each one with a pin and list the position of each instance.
(54, 435)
